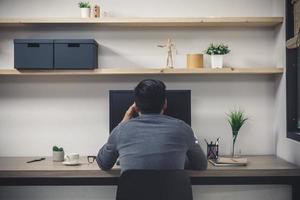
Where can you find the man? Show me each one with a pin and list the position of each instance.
(152, 140)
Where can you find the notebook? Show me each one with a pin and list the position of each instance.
(224, 161)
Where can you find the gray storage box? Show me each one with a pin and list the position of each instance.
(75, 54)
(33, 54)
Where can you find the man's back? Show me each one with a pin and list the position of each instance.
(151, 141)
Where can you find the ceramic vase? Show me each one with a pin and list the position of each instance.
(216, 61)
(85, 12)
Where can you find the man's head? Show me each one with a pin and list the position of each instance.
(150, 97)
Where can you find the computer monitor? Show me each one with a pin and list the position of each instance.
(179, 105)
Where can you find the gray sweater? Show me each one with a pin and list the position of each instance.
(152, 141)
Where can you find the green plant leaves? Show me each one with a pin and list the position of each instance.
(84, 5)
(217, 49)
(56, 148)
(236, 119)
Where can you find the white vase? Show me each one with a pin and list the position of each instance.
(216, 61)
(85, 12)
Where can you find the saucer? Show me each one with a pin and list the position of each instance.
(72, 163)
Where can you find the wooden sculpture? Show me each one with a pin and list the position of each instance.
(96, 11)
(169, 46)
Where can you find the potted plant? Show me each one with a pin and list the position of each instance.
(58, 154)
(216, 52)
(236, 119)
(85, 9)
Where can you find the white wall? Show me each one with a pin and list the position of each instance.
(38, 112)
(60, 108)
(73, 111)
(137, 8)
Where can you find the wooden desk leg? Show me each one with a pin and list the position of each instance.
(296, 191)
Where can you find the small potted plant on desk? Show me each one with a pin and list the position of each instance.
(58, 154)
(217, 52)
(236, 119)
(85, 9)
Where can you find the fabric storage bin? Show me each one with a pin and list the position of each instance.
(75, 54)
(33, 54)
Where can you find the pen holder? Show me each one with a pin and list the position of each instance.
(212, 151)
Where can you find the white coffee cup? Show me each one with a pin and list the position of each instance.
(72, 158)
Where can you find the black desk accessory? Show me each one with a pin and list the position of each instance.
(212, 149)
(36, 160)
(91, 159)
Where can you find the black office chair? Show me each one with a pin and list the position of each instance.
(154, 185)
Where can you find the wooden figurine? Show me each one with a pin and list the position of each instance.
(96, 11)
(169, 46)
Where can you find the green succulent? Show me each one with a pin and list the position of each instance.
(84, 5)
(56, 148)
(217, 49)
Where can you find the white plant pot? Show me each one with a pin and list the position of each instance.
(85, 12)
(216, 61)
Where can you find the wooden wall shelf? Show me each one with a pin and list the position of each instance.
(155, 22)
(141, 71)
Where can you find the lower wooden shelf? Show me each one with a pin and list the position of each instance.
(142, 71)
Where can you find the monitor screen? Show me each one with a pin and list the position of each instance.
(179, 105)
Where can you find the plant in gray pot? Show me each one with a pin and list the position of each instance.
(58, 154)
(236, 119)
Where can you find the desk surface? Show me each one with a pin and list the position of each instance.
(258, 166)
(260, 170)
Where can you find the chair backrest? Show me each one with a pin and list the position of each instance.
(154, 185)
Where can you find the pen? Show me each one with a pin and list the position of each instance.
(206, 141)
(36, 160)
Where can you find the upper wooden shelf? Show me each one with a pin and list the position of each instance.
(143, 71)
(154, 22)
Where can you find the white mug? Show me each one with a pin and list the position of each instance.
(72, 158)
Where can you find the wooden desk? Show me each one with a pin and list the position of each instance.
(260, 170)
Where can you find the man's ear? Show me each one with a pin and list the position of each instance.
(165, 106)
(136, 108)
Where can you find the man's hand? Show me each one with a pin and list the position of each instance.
(129, 113)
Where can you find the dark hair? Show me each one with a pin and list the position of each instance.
(149, 96)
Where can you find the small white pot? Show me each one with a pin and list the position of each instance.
(58, 156)
(216, 61)
(85, 12)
